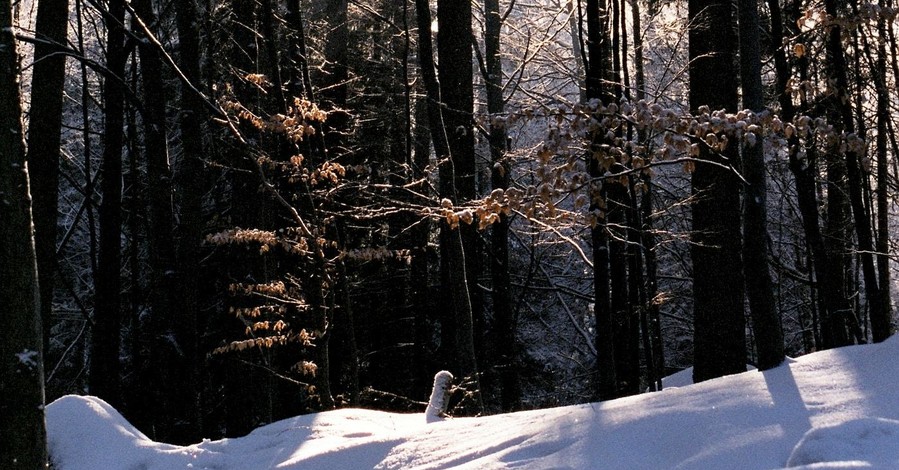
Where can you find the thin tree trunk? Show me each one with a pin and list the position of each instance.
(804, 173)
(105, 341)
(598, 68)
(842, 109)
(418, 270)
(767, 324)
(167, 408)
(189, 231)
(648, 243)
(22, 429)
(335, 128)
(500, 177)
(631, 264)
(44, 133)
(884, 327)
(574, 33)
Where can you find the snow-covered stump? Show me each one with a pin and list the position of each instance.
(439, 396)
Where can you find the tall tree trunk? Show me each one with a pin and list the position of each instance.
(44, 133)
(453, 273)
(827, 273)
(418, 267)
(885, 327)
(767, 326)
(598, 67)
(647, 239)
(625, 330)
(105, 341)
(841, 107)
(418, 270)
(344, 350)
(166, 409)
(189, 231)
(22, 429)
(719, 342)
(500, 176)
(574, 32)
(627, 275)
(458, 173)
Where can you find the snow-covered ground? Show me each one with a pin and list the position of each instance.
(832, 409)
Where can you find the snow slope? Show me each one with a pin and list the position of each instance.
(832, 409)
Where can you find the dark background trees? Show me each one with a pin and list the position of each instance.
(296, 205)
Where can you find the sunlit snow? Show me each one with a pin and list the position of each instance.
(833, 409)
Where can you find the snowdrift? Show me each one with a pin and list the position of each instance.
(832, 409)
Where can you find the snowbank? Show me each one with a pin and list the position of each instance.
(833, 409)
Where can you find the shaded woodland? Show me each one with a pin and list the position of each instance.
(248, 210)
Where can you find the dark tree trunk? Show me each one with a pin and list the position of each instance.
(457, 173)
(827, 271)
(344, 350)
(841, 108)
(656, 353)
(627, 288)
(299, 83)
(45, 125)
(457, 323)
(166, 405)
(500, 176)
(766, 320)
(273, 57)
(105, 340)
(418, 269)
(884, 328)
(189, 184)
(22, 429)
(598, 68)
(719, 342)
(625, 329)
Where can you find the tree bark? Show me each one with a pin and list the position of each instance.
(766, 320)
(189, 231)
(44, 133)
(500, 176)
(22, 429)
(166, 409)
(455, 286)
(458, 173)
(719, 342)
(599, 65)
(105, 341)
(841, 107)
(884, 327)
(826, 263)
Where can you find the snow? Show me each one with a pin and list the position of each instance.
(835, 409)
(28, 358)
(439, 393)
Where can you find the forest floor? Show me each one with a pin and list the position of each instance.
(831, 409)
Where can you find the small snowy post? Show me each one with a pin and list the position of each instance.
(439, 396)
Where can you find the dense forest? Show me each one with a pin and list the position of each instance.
(219, 213)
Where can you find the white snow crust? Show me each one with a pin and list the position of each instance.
(836, 409)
